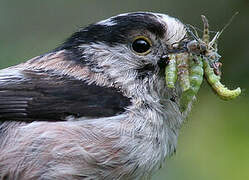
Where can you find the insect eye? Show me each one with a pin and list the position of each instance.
(141, 45)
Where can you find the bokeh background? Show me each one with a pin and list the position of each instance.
(214, 141)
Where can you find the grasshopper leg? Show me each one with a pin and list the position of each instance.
(206, 36)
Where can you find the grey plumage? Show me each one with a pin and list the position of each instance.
(128, 145)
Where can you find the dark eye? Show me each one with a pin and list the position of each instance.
(141, 46)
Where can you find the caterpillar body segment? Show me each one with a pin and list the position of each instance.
(182, 70)
(196, 73)
(171, 72)
(214, 80)
(196, 77)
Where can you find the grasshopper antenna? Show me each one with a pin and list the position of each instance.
(228, 23)
(216, 37)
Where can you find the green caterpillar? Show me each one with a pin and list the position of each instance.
(217, 86)
(190, 79)
(210, 57)
(196, 78)
(177, 68)
(171, 72)
(189, 68)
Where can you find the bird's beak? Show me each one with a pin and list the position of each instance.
(164, 60)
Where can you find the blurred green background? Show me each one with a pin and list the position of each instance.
(214, 141)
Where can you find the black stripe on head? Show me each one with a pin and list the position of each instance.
(117, 31)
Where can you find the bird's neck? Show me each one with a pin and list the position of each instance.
(160, 120)
(156, 118)
(155, 124)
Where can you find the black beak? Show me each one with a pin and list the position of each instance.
(163, 62)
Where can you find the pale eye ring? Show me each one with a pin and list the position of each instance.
(141, 45)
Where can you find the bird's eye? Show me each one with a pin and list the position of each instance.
(141, 45)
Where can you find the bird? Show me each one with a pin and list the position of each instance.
(96, 106)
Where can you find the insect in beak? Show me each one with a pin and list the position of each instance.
(200, 59)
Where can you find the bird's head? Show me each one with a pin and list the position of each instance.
(128, 52)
